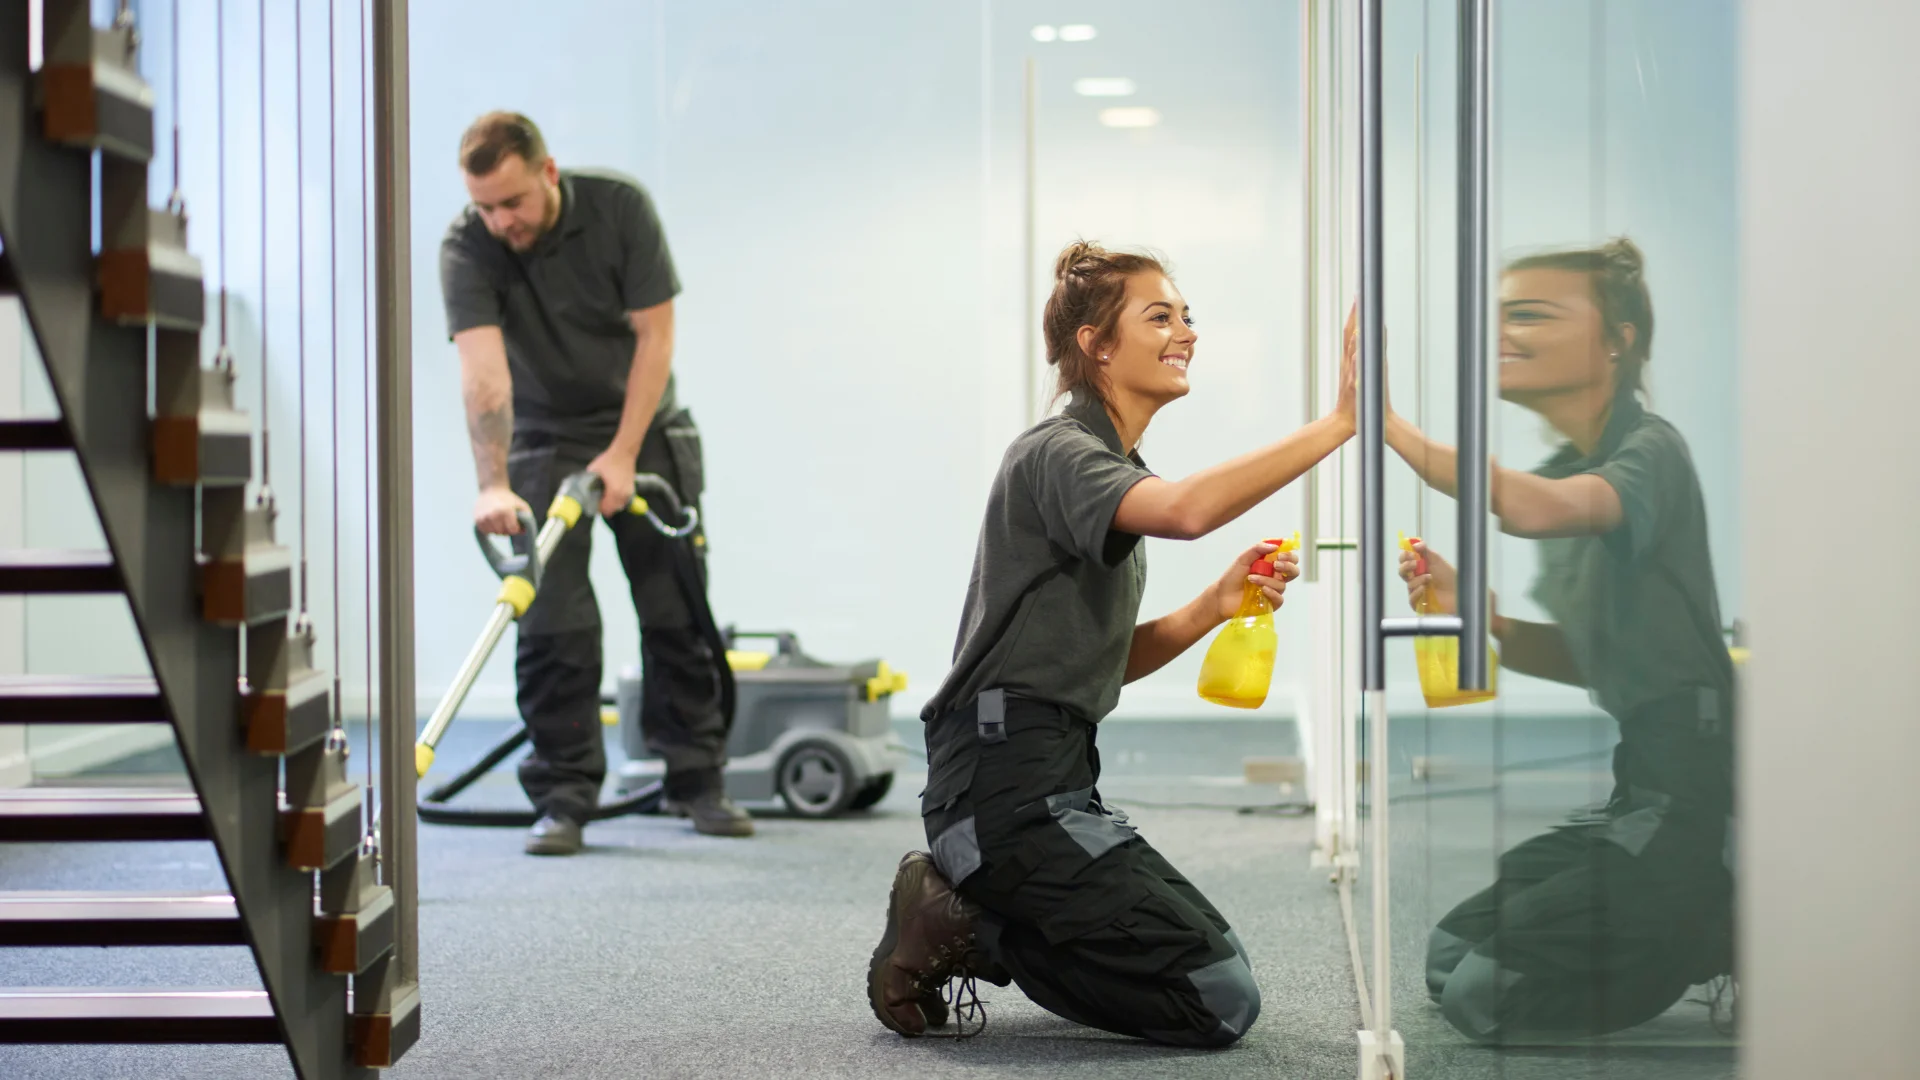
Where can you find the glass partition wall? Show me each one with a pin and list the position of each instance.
(1559, 874)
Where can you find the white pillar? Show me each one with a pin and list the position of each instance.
(1830, 733)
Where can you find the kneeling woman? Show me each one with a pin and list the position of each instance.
(1031, 879)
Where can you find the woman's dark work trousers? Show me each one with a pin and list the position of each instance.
(1603, 923)
(1092, 923)
(559, 660)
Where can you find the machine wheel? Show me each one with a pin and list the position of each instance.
(816, 780)
(871, 795)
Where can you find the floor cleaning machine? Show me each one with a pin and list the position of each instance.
(816, 735)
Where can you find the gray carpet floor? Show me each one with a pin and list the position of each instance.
(661, 953)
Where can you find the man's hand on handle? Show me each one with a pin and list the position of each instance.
(497, 511)
(615, 468)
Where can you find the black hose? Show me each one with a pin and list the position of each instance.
(434, 809)
(691, 576)
(514, 741)
(644, 801)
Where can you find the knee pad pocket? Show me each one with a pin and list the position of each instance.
(1228, 991)
(1476, 995)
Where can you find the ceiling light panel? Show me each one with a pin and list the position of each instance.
(1103, 87)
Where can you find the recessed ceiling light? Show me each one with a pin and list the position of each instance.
(1078, 32)
(1103, 87)
(1045, 34)
(1135, 116)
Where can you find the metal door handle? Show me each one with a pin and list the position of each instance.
(1473, 482)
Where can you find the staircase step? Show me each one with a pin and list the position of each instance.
(156, 285)
(119, 918)
(50, 572)
(213, 448)
(34, 435)
(288, 721)
(254, 588)
(92, 699)
(318, 837)
(60, 815)
(349, 944)
(146, 1016)
(92, 96)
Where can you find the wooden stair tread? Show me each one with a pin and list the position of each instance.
(47, 572)
(143, 1015)
(119, 918)
(41, 434)
(89, 814)
(82, 699)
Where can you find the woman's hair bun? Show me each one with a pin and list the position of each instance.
(1073, 255)
(1623, 256)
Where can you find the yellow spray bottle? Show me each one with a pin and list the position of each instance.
(1438, 658)
(1239, 664)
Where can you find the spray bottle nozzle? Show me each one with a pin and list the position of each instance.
(1264, 567)
(1406, 544)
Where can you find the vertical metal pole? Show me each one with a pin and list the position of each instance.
(1473, 480)
(1372, 366)
(1330, 761)
(1029, 97)
(1373, 503)
(1310, 151)
(393, 369)
(1341, 118)
(1420, 264)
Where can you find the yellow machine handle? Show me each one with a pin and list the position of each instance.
(887, 681)
(742, 660)
(517, 593)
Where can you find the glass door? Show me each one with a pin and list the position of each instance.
(1558, 873)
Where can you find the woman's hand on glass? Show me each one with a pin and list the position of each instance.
(1232, 585)
(1346, 402)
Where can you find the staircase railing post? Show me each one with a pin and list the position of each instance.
(393, 368)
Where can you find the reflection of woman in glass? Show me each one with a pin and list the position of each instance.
(1604, 922)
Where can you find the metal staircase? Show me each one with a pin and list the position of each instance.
(304, 895)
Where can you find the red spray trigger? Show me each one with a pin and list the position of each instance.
(1282, 545)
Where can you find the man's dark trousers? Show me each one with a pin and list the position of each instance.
(559, 663)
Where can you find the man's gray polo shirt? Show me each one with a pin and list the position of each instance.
(562, 307)
(1055, 591)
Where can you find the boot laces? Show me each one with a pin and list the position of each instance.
(956, 987)
(1723, 1004)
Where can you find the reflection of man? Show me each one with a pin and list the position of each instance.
(559, 291)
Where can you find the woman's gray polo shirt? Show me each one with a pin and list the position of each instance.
(1055, 591)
